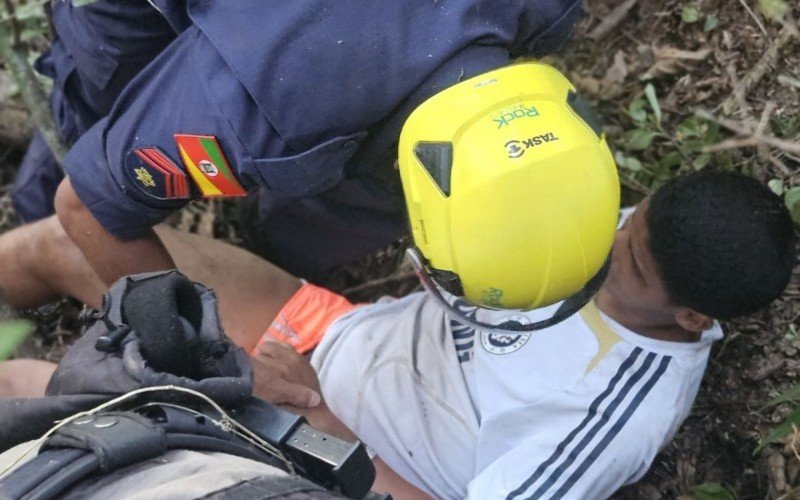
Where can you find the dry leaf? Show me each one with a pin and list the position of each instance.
(673, 53)
(617, 71)
(670, 60)
(586, 84)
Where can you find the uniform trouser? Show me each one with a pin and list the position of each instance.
(97, 49)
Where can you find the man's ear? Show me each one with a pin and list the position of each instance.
(693, 321)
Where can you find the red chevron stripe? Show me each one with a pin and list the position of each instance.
(179, 181)
(167, 175)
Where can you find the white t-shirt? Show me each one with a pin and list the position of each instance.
(573, 411)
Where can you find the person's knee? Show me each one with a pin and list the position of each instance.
(69, 207)
(39, 247)
(59, 266)
(24, 378)
(6, 385)
(50, 240)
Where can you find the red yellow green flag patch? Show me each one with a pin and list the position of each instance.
(207, 165)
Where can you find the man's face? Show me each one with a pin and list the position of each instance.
(633, 280)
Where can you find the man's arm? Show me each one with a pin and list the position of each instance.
(111, 258)
(284, 377)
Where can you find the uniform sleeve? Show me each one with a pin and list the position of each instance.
(187, 89)
(547, 28)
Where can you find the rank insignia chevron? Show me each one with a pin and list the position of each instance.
(155, 175)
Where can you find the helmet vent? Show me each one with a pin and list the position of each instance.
(584, 110)
(437, 158)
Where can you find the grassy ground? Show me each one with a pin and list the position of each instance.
(681, 85)
(651, 75)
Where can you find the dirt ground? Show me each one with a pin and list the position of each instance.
(725, 58)
(696, 65)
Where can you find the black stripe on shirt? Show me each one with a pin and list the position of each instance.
(605, 417)
(589, 416)
(612, 433)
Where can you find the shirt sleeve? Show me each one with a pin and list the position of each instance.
(548, 466)
(584, 443)
(187, 89)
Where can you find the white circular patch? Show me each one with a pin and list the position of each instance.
(506, 343)
(208, 168)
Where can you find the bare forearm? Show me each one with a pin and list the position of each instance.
(110, 257)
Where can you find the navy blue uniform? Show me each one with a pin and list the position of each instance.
(96, 51)
(306, 99)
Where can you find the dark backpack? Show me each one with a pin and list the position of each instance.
(160, 330)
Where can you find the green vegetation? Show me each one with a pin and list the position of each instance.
(651, 152)
(12, 333)
(711, 491)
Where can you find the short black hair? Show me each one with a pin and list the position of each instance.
(724, 244)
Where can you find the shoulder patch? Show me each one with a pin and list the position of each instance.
(207, 165)
(155, 175)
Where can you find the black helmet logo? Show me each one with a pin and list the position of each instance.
(515, 149)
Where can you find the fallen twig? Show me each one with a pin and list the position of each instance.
(635, 185)
(746, 142)
(611, 21)
(759, 70)
(669, 59)
(755, 18)
(766, 114)
(16, 30)
(753, 135)
(780, 165)
(788, 80)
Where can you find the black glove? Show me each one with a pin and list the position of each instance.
(155, 329)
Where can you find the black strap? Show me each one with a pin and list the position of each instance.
(576, 302)
(70, 475)
(30, 474)
(117, 439)
(99, 444)
(267, 488)
(567, 308)
(105, 442)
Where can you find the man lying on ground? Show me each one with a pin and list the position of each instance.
(576, 410)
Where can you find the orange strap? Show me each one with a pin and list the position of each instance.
(305, 318)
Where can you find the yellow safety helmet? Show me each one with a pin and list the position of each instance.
(512, 192)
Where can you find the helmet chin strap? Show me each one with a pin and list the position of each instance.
(567, 308)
